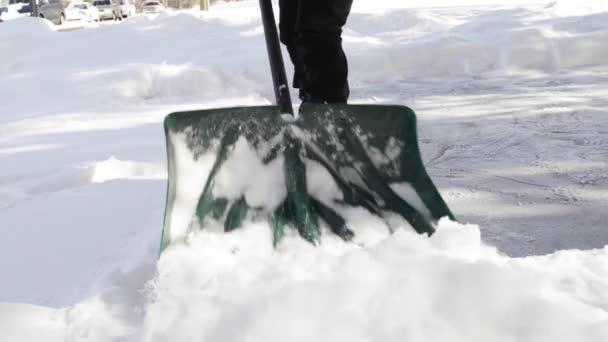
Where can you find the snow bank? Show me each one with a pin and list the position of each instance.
(23, 322)
(389, 5)
(170, 59)
(577, 8)
(451, 287)
(113, 168)
(431, 44)
(194, 58)
(25, 27)
(560, 7)
(236, 287)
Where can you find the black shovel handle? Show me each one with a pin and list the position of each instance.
(277, 67)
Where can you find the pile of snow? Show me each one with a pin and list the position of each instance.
(560, 7)
(579, 8)
(26, 26)
(113, 169)
(236, 287)
(189, 57)
(385, 6)
(174, 58)
(435, 44)
(450, 287)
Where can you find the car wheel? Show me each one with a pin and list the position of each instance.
(42, 17)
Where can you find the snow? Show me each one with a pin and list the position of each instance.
(455, 288)
(347, 293)
(511, 104)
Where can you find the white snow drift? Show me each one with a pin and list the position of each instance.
(236, 287)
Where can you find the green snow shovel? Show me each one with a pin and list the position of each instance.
(369, 151)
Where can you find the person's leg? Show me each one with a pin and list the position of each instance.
(287, 27)
(319, 50)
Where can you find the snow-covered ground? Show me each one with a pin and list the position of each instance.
(511, 98)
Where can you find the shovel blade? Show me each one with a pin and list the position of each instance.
(220, 160)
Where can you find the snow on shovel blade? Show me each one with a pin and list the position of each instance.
(226, 165)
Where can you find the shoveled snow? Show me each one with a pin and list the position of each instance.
(236, 287)
(511, 103)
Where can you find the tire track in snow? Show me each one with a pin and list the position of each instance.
(524, 157)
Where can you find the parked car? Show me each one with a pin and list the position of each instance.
(81, 11)
(153, 7)
(127, 7)
(108, 9)
(10, 9)
(52, 10)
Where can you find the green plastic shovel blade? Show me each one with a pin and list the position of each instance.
(370, 151)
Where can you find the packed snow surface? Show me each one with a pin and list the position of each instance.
(513, 129)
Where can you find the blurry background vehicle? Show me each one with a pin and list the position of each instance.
(10, 9)
(153, 7)
(108, 9)
(79, 10)
(52, 10)
(127, 7)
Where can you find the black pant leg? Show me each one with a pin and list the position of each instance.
(288, 17)
(319, 49)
